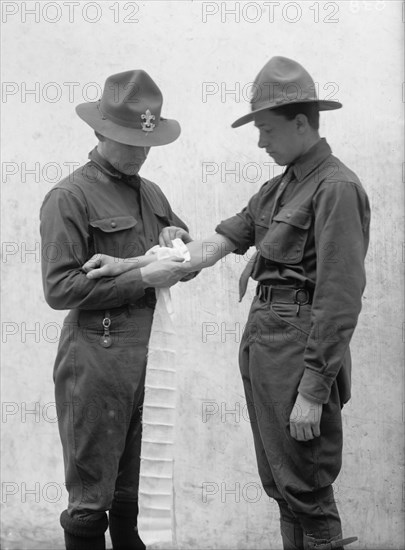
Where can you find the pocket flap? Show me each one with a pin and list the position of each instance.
(297, 218)
(161, 214)
(116, 223)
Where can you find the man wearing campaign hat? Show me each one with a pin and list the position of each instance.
(311, 230)
(106, 207)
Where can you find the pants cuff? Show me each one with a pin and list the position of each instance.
(81, 528)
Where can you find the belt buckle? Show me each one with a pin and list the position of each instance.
(300, 302)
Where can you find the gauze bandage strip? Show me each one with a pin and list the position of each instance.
(156, 494)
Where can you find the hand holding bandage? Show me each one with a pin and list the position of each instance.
(160, 267)
(179, 252)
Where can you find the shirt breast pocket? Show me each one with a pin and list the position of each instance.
(164, 220)
(115, 236)
(284, 240)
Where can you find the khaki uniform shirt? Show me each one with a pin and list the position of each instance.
(317, 239)
(99, 210)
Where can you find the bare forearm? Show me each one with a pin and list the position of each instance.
(206, 252)
(127, 264)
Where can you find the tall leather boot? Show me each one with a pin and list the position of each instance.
(123, 526)
(84, 535)
(292, 535)
(335, 543)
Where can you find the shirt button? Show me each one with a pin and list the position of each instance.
(113, 224)
(288, 215)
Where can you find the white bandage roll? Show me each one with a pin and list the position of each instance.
(156, 507)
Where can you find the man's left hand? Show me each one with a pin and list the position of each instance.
(305, 419)
(102, 265)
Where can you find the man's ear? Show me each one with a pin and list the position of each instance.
(301, 122)
(99, 136)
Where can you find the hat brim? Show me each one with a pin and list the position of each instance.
(165, 132)
(323, 105)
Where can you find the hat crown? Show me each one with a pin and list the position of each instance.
(132, 99)
(281, 81)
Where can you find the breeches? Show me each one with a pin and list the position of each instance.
(99, 394)
(299, 475)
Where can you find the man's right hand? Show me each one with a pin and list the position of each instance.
(168, 234)
(164, 273)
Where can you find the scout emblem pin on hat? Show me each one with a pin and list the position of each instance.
(129, 111)
(283, 81)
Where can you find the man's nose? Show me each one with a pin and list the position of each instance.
(261, 143)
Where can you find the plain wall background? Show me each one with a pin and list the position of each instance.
(353, 50)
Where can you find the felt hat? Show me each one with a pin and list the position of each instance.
(129, 111)
(283, 81)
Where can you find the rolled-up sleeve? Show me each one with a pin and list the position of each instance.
(65, 248)
(342, 217)
(240, 229)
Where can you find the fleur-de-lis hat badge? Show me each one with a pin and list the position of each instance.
(148, 125)
(129, 111)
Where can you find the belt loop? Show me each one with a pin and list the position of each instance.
(269, 296)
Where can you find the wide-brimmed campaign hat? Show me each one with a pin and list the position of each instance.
(129, 111)
(283, 81)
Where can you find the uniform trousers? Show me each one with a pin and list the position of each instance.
(99, 392)
(297, 474)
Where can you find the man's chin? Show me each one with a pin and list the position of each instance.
(277, 159)
(132, 170)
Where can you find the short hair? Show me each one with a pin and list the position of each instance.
(291, 110)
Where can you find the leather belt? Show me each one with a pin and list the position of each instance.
(285, 295)
(147, 300)
(106, 318)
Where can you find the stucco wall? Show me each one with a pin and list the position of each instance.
(198, 52)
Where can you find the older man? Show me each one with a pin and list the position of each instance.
(310, 227)
(106, 207)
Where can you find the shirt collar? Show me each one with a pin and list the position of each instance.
(310, 160)
(104, 166)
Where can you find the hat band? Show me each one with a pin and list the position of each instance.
(145, 123)
(287, 93)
